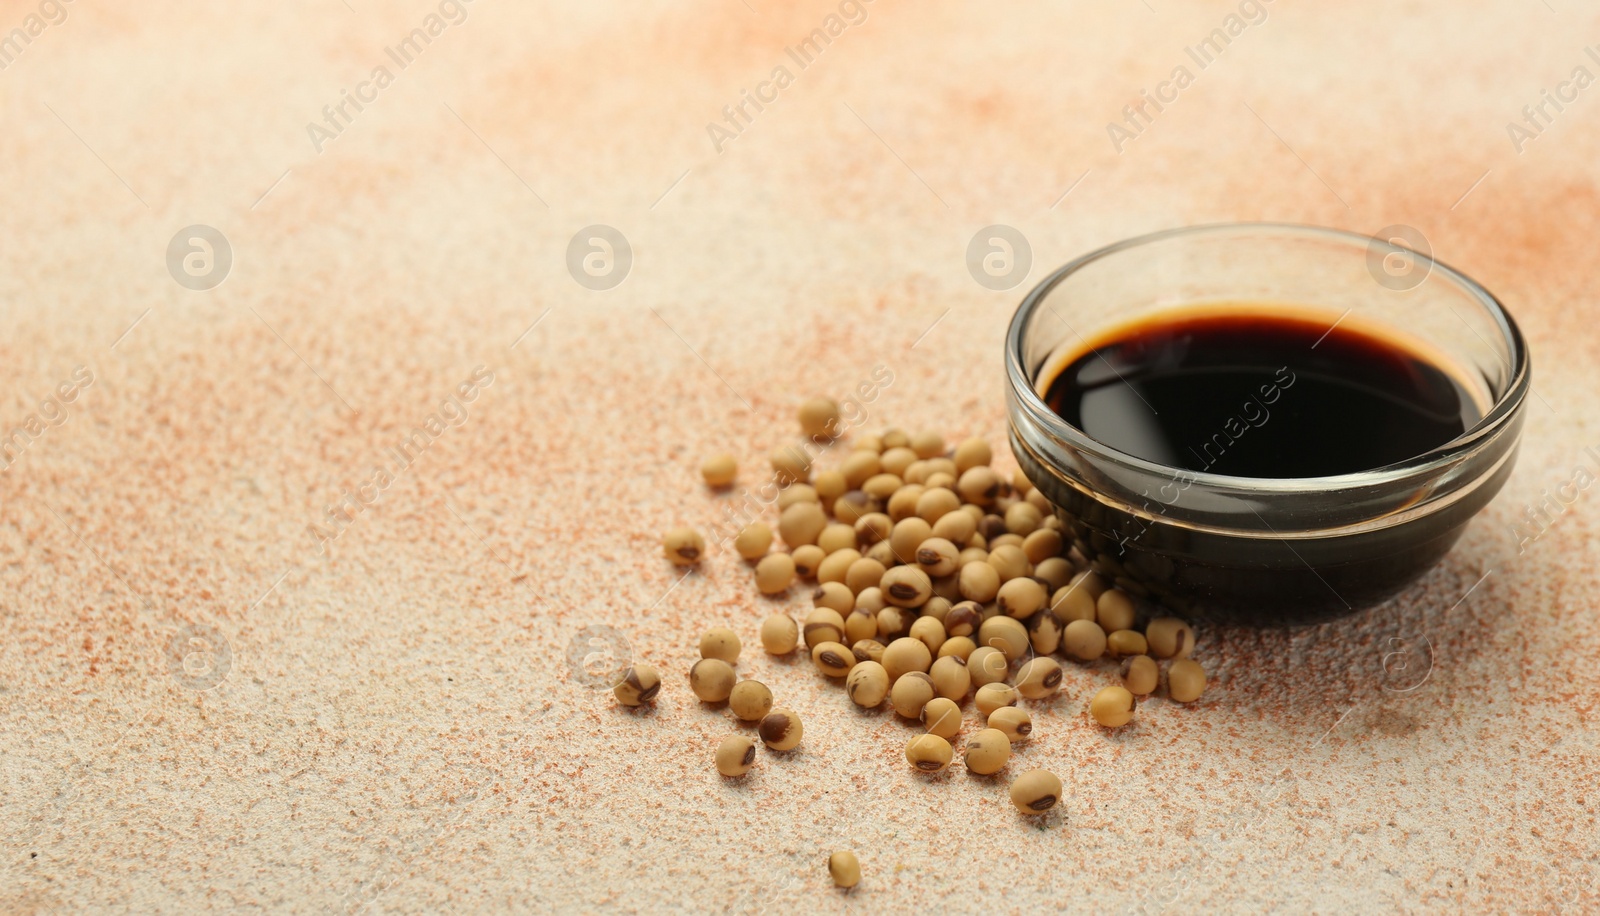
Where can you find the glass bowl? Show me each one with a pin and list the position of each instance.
(1267, 551)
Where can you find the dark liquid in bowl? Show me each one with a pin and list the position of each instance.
(1251, 393)
(1254, 395)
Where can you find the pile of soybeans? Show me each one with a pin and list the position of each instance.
(937, 580)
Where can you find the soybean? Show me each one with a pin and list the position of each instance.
(978, 485)
(779, 634)
(1006, 540)
(947, 588)
(823, 625)
(683, 546)
(902, 503)
(991, 697)
(863, 574)
(894, 623)
(1055, 571)
(1083, 640)
(830, 485)
(1036, 791)
(719, 470)
(988, 751)
(735, 755)
(987, 665)
(1169, 637)
(720, 642)
(991, 527)
(871, 600)
(883, 553)
(928, 753)
(638, 686)
(1072, 603)
(867, 684)
(906, 538)
(955, 527)
(819, 419)
(1113, 706)
(844, 869)
(806, 559)
(1040, 677)
(1013, 721)
(929, 631)
(790, 465)
(833, 659)
(1041, 545)
(972, 453)
(1023, 519)
(711, 679)
(979, 582)
(927, 444)
(750, 701)
(1037, 500)
(854, 504)
(951, 678)
(957, 647)
(774, 573)
(1021, 598)
(800, 524)
(867, 650)
(1114, 610)
(906, 655)
(906, 586)
(835, 596)
(836, 536)
(1044, 631)
(1186, 680)
(797, 493)
(860, 624)
(859, 467)
(938, 557)
(1140, 675)
(1006, 634)
(963, 618)
(918, 473)
(1008, 560)
(937, 608)
(896, 459)
(942, 716)
(911, 693)
(872, 528)
(780, 730)
(1122, 643)
(935, 503)
(882, 486)
(753, 542)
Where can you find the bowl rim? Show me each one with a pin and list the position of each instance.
(1443, 456)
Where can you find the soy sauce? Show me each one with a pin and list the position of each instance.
(1250, 393)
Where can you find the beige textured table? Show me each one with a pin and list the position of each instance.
(398, 728)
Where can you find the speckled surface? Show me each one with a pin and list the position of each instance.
(398, 728)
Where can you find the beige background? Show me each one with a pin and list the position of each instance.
(399, 730)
